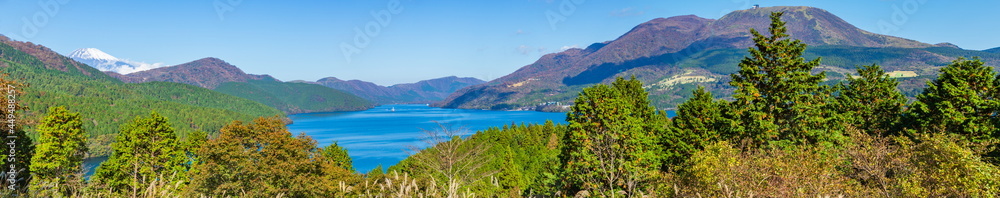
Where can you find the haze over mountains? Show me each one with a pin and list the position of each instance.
(425, 91)
(673, 55)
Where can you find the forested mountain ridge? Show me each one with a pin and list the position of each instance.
(674, 55)
(425, 91)
(46, 58)
(216, 74)
(993, 50)
(295, 97)
(206, 72)
(54, 80)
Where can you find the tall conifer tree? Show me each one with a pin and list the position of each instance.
(145, 151)
(697, 124)
(778, 99)
(962, 100)
(871, 101)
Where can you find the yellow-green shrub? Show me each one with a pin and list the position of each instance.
(944, 167)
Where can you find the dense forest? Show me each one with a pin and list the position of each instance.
(784, 134)
(108, 103)
(295, 98)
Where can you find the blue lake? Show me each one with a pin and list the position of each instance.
(384, 134)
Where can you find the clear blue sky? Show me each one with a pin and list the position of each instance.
(302, 40)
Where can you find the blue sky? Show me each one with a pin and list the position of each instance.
(304, 40)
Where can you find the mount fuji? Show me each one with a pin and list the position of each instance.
(105, 62)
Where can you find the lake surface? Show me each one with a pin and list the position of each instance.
(384, 134)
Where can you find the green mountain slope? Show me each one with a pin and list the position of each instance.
(993, 50)
(295, 97)
(106, 103)
(216, 74)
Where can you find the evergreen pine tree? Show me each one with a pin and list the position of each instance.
(59, 154)
(510, 175)
(145, 151)
(697, 124)
(871, 101)
(778, 100)
(962, 100)
(338, 156)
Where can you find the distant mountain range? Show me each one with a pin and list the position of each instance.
(425, 91)
(105, 62)
(327, 94)
(218, 75)
(674, 55)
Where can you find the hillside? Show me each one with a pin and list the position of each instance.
(55, 80)
(425, 91)
(993, 50)
(216, 74)
(295, 98)
(205, 72)
(674, 55)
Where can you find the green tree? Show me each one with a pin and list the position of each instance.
(511, 178)
(778, 100)
(145, 153)
(338, 156)
(871, 101)
(697, 124)
(962, 100)
(959, 101)
(263, 159)
(59, 154)
(613, 142)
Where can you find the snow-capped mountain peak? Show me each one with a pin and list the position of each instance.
(93, 54)
(106, 62)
